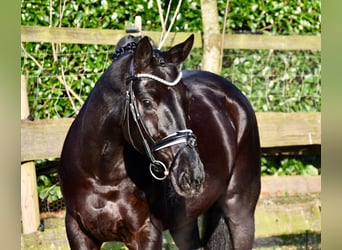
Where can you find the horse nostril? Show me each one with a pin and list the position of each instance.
(199, 182)
(185, 181)
(199, 173)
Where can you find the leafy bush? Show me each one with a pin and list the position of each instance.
(278, 81)
(82, 66)
(290, 166)
(276, 16)
(48, 189)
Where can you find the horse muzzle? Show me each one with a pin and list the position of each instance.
(190, 180)
(187, 175)
(186, 170)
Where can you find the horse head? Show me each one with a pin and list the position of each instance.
(156, 116)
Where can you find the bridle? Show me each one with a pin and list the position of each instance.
(186, 137)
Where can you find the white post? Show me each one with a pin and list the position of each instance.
(138, 24)
(29, 198)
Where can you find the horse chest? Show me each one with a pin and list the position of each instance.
(113, 215)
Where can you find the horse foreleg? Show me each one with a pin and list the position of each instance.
(187, 237)
(77, 238)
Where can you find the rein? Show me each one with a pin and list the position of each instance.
(157, 168)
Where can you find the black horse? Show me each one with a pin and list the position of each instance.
(153, 148)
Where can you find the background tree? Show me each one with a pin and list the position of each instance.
(211, 37)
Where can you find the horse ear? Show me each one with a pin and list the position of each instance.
(143, 54)
(180, 52)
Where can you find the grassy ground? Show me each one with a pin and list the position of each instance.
(282, 222)
(288, 222)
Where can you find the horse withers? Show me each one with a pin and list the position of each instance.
(154, 148)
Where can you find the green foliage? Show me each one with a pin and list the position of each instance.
(108, 14)
(82, 66)
(278, 81)
(48, 189)
(276, 16)
(288, 166)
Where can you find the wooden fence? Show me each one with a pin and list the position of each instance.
(43, 139)
(111, 37)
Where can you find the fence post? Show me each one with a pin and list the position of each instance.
(29, 194)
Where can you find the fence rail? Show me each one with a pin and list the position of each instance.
(111, 37)
(43, 139)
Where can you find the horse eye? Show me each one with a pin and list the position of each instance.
(147, 103)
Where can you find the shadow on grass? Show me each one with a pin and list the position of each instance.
(303, 240)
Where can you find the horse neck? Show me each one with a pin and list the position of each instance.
(102, 114)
